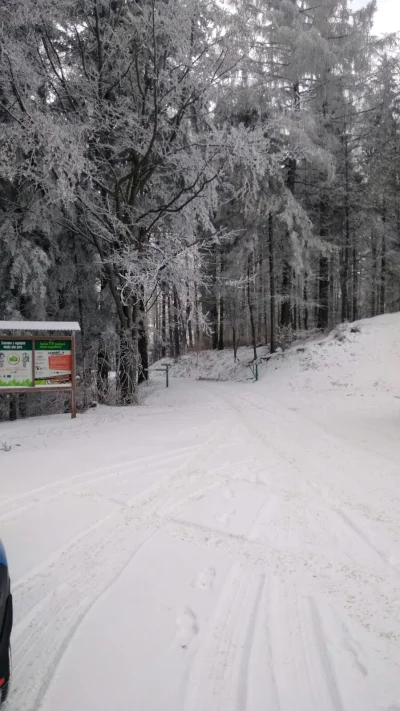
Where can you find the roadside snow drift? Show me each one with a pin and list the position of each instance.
(230, 546)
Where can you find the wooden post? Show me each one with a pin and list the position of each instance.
(73, 377)
(33, 361)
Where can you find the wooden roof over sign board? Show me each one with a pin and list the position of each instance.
(62, 326)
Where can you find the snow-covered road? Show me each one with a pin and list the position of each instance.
(220, 549)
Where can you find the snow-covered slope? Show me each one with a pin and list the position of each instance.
(214, 365)
(354, 356)
(230, 546)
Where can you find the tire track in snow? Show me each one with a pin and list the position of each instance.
(59, 593)
(258, 436)
(205, 537)
(300, 651)
(217, 679)
(328, 674)
(334, 509)
(362, 537)
(331, 511)
(22, 583)
(360, 588)
(144, 504)
(214, 480)
(23, 502)
(287, 562)
(319, 650)
(88, 571)
(242, 700)
(286, 647)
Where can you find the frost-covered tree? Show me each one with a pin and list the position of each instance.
(181, 175)
(124, 89)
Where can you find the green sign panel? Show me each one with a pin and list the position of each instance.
(16, 364)
(53, 346)
(53, 363)
(10, 345)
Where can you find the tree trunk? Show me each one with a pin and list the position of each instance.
(265, 315)
(86, 369)
(271, 252)
(251, 311)
(143, 374)
(190, 330)
(263, 325)
(355, 284)
(346, 251)
(285, 308)
(128, 346)
(127, 366)
(288, 278)
(305, 297)
(234, 343)
(374, 273)
(221, 324)
(143, 349)
(293, 298)
(103, 372)
(323, 291)
(23, 405)
(323, 286)
(345, 282)
(197, 325)
(156, 352)
(382, 290)
(189, 320)
(13, 411)
(214, 322)
(163, 323)
(177, 342)
(170, 328)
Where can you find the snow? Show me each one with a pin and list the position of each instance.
(214, 365)
(229, 546)
(39, 326)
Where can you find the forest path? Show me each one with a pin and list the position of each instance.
(234, 557)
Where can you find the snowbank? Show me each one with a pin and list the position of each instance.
(354, 356)
(214, 365)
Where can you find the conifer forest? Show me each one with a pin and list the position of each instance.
(192, 174)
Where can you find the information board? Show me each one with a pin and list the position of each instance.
(37, 363)
(53, 363)
(16, 363)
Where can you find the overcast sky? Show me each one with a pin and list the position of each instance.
(387, 17)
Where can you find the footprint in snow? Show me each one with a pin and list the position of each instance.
(205, 579)
(188, 627)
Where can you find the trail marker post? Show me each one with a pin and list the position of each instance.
(164, 369)
(254, 369)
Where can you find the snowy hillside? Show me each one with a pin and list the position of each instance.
(214, 365)
(229, 546)
(353, 357)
